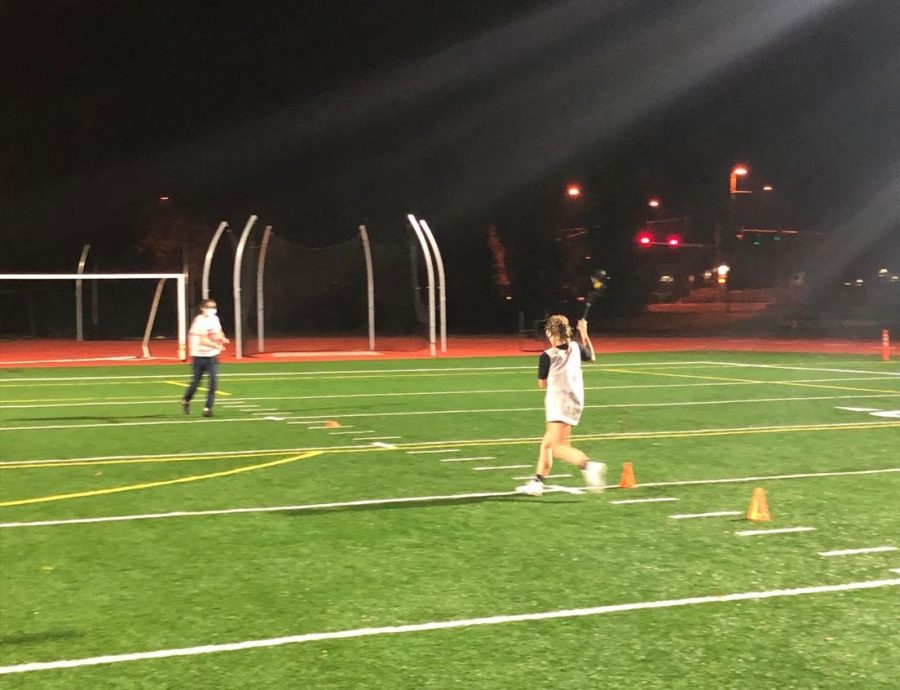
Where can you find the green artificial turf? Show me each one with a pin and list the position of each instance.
(114, 442)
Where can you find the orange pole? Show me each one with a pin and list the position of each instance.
(885, 345)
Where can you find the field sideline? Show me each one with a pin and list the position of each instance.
(354, 524)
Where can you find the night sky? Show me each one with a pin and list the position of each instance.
(319, 116)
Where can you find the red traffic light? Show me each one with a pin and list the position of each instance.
(644, 238)
(673, 240)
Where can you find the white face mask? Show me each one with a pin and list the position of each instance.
(211, 311)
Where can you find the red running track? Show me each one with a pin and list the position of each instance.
(50, 353)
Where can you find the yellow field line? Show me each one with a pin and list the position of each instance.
(426, 445)
(828, 386)
(182, 385)
(653, 435)
(25, 464)
(686, 376)
(167, 482)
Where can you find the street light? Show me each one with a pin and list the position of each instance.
(767, 188)
(573, 191)
(653, 203)
(737, 171)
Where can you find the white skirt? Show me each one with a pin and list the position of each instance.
(562, 407)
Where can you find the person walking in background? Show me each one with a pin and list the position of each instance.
(205, 341)
(559, 372)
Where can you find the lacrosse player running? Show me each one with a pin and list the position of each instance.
(559, 372)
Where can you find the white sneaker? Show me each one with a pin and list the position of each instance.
(532, 488)
(594, 475)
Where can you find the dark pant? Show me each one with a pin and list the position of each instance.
(199, 365)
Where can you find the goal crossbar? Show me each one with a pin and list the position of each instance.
(179, 278)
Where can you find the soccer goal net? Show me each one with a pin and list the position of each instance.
(352, 296)
(92, 315)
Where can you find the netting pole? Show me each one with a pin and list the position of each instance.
(236, 281)
(370, 283)
(260, 289)
(429, 269)
(442, 289)
(182, 318)
(207, 262)
(151, 318)
(79, 296)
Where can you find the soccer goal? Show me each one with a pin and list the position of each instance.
(130, 314)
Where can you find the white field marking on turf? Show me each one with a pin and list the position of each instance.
(806, 475)
(661, 499)
(854, 552)
(379, 501)
(718, 513)
(499, 467)
(359, 431)
(274, 419)
(548, 476)
(480, 457)
(438, 450)
(379, 444)
(51, 403)
(895, 570)
(446, 625)
(689, 403)
(118, 358)
(794, 368)
(267, 509)
(375, 438)
(246, 406)
(564, 489)
(407, 370)
(781, 530)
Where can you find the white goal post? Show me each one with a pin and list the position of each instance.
(179, 278)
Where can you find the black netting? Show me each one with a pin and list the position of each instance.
(316, 298)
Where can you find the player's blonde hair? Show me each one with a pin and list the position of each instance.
(557, 328)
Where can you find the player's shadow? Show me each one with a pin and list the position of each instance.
(40, 637)
(94, 418)
(424, 503)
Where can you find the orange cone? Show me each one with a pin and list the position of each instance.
(627, 481)
(759, 507)
(331, 424)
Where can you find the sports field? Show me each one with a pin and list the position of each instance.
(354, 525)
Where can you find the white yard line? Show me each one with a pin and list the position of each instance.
(438, 450)
(268, 509)
(308, 419)
(782, 530)
(375, 438)
(326, 372)
(662, 499)
(480, 457)
(718, 513)
(415, 499)
(481, 391)
(499, 467)
(855, 552)
(446, 625)
(790, 368)
(549, 476)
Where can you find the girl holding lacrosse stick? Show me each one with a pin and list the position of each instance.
(559, 373)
